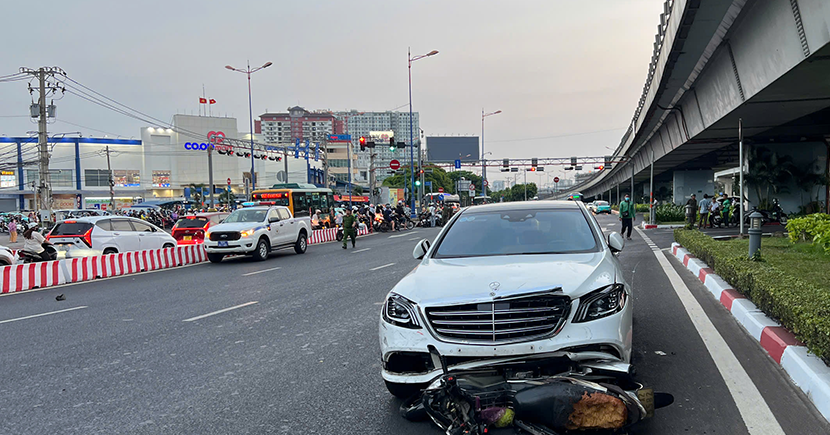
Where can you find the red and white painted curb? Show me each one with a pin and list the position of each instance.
(807, 370)
(21, 277)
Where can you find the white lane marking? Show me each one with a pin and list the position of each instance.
(415, 238)
(754, 410)
(399, 235)
(220, 311)
(381, 267)
(361, 250)
(260, 271)
(43, 314)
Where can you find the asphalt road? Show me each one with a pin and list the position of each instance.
(299, 352)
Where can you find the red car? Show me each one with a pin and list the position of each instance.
(190, 230)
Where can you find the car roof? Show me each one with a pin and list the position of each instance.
(524, 205)
(93, 219)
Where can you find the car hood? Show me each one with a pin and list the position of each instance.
(469, 280)
(236, 226)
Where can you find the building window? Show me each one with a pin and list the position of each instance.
(127, 178)
(96, 177)
(58, 177)
(161, 178)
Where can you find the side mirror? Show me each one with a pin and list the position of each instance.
(273, 219)
(421, 249)
(616, 242)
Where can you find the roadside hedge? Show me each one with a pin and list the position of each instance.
(814, 227)
(670, 212)
(802, 308)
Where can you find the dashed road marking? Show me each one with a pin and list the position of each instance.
(220, 311)
(381, 267)
(361, 250)
(43, 314)
(260, 271)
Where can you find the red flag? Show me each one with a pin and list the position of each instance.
(202, 100)
(212, 101)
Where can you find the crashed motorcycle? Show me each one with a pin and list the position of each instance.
(550, 394)
(50, 253)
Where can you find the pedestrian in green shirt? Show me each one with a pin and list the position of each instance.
(349, 227)
(627, 216)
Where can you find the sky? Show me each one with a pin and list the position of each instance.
(566, 74)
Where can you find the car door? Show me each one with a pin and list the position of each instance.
(288, 226)
(124, 236)
(275, 227)
(148, 237)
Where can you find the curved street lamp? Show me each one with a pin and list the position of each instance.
(413, 213)
(248, 71)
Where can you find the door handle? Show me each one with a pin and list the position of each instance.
(116, 234)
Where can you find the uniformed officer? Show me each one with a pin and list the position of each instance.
(349, 227)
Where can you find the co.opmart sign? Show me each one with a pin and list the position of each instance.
(215, 139)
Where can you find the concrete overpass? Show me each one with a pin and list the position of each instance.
(766, 62)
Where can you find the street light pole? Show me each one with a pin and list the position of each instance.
(413, 213)
(248, 72)
(483, 159)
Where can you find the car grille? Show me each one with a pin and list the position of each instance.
(224, 235)
(519, 319)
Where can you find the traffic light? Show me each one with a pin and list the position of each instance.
(534, 162)
(392, 144)
(607, 162)
(362, 141)
(417, 182)
(599, 168)
(505, 165)
(531, 169)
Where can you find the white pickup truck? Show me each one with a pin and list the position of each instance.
(257, 231)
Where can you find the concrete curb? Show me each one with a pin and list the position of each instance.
(805, 369)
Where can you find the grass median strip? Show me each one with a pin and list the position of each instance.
(790, 282)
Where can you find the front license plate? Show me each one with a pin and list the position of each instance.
(188, 237)
(223, 244)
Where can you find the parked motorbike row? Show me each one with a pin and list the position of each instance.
(776, 214)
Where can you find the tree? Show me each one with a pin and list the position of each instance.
(196, 192)
(467, 175)
(357, 190)
(807, 180)
(226, 197)
(768, 172)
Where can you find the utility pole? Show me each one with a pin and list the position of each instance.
(111, 181)
(372, 176)
(44, 188)
(210, 170)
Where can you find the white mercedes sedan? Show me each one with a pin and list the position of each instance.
(507, 280)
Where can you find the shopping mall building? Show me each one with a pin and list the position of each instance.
(158, 166)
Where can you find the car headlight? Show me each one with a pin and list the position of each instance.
(399, 311)
(246, 233)
(207, 235)
(601, 303)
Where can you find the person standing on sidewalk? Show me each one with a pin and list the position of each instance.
(692, 202)
(349, 227)
(704, 211)
(627, 216)
(13, 230)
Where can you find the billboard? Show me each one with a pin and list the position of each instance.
(447, 149)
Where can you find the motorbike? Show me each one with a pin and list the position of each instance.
(777, 213)
(30, 257)
(404, 222)
(380, 224)
(339, 234)
(542, 395)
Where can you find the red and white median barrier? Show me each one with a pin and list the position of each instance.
(20, 277)
(806, 370)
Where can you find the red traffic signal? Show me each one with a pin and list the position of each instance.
(362, 141)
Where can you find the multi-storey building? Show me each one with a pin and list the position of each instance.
(359, 124)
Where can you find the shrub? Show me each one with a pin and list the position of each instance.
(802, 308)
(670, 213)
(814, 227)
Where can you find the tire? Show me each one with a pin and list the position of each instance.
(261, 252)
(410, 225)
(215, 258)
(339, 236)
(404, 391)
(302, 243)
(110, 251)
(167, 245)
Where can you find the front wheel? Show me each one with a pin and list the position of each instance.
(410, 225)
(302, 244)
(404, 391)
(215, 258)
(261, 252)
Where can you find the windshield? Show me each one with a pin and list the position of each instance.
(247, 215)
(197, 222)
(518, 232)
